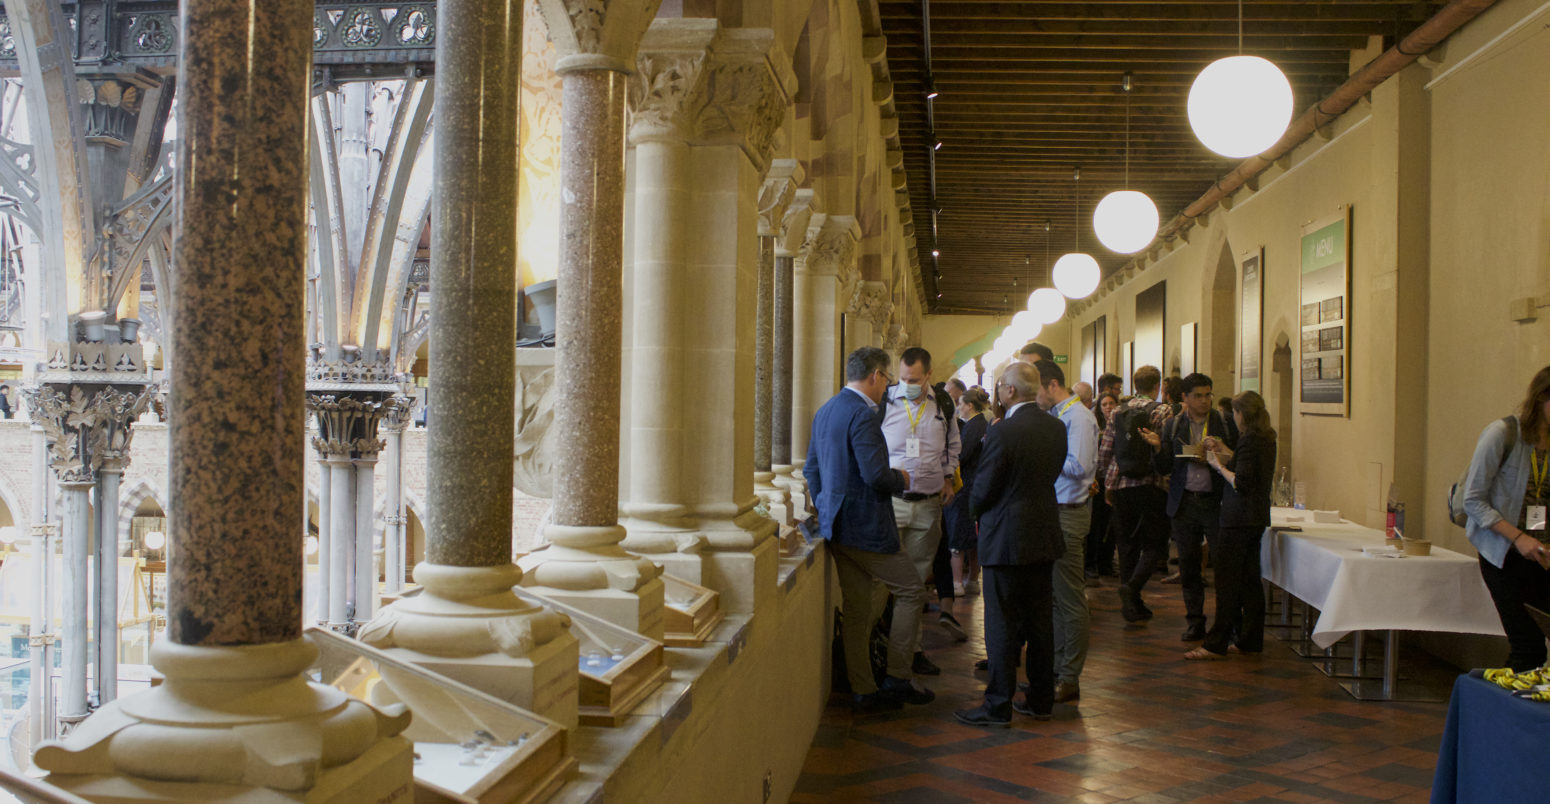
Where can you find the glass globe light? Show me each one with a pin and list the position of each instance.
(155, 540)
(1076, 275)
(1047, 305)
(311, 545)
(1240, 106)
(8, 534)
(1126, 221)
(1025, 324)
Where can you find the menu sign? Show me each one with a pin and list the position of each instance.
(1324, 387)
(1250, 313)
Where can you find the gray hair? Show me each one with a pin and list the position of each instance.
(1023, 378)
(864, 361)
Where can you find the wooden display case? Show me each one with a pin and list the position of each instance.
(691, 614)
(619, 667)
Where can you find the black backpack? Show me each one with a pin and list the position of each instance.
(1131, 451)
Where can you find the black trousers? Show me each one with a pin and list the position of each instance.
(942, 565)
(1518, 582)
(1195, 525)
(1100, 539)
(1240, 595)
(1019, 610)
(1140, 522)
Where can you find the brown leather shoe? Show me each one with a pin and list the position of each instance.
(1065, 692)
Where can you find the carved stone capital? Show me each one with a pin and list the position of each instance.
(777, 194)
(348, 423)
(873, 303)
(829, 248)
(396, 417)
(597, 34)
(663, 81)
(87, 427)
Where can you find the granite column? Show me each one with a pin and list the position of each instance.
(775, 198)
(461, 624)
(235, 713)
(584, 564)
(793, 229)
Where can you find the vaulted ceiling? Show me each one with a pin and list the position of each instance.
(1031, 89)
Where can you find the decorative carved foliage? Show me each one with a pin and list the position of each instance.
(152, 33)
(740, 101)
(86, 427)
(7, 40)
(775, 196)
(661, 84)
(533, 461)
(347, 423)
(362, 28)
(586, 19)
(338, 371)
(875, 303)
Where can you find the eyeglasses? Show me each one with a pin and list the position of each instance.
(886, 377)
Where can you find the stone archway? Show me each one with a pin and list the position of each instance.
(1222, 346)
(130, 500)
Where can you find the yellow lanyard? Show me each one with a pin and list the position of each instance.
(915, 415)
(1539, 472)
(1069, 402)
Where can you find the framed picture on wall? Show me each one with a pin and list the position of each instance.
(1324, 359)
(1251, 313)
(1187, 349)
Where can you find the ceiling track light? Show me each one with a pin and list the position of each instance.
(931, 90)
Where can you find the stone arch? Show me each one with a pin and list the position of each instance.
(20, 517)
(1222, 341)
(130, 498)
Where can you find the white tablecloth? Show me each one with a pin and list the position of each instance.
(1324, 566)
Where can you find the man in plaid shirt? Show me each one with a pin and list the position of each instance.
(1140, 503)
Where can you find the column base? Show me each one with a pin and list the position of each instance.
(468, 626)
(745, 579)
(789, 477)
(640, 611)
(230, 723)
(776, 498)
(676, 549)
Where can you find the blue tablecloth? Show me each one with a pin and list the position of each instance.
(1493, 749)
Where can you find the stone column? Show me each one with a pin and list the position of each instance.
(775, 197)
(325, 541)
(75, 586)
(341, 541)
(40, 693)
(793, 230)
(824, 273)
(235, 714)
(348, 417)
(467, 624)
(584, 564)
(365, 531)
(393, 425)
(109, 474)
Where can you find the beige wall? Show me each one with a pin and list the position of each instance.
(1448, 184)
(942, 335)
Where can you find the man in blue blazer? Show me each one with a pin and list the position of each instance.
(1013, 498)
(852, 486)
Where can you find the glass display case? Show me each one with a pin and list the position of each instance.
(468, 747)
(690, 614)
(619, 667)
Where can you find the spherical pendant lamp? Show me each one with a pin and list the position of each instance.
(1076, 275)
(1126, 221)
(1047, 305)
(1240, 106)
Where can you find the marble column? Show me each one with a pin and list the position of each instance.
(793, 230)
(584, 565)
(235, 714)
(341, 541)
(775, 197)
(40, 693)
(393, 425)
(824, 274)
(75, 587)
(467, 624)
(105, 625)
(325, 541)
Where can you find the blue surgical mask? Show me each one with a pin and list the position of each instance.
(912, 391)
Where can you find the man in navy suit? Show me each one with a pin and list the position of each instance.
(1019, 541)
(852, 486)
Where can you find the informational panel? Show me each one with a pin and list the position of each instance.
(1151, 326)
(1127, 364)
(1094, 350)
(1187, 349)
(1251, 313)
(1323, 353)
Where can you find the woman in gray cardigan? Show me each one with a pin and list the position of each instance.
(1505, 497)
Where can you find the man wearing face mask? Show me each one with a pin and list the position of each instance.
(918, 425)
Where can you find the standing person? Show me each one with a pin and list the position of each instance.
(1072, 619)
(5, 401)
(1085, 391)
(1135, 491)
(922, 440)
(1505, 498)
(1100, 537)
(850, 481)
(1249, 472)
(1020, 539)
(1194, 491)
(1225, 405)
(1111, 385)
(955, 389)
(960, 523)
(1034, 352)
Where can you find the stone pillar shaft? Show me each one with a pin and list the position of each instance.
(341, 531)
(325, 542)
(365, 556)
(237, 417)
(473, 240)
(77, 525)
(393, 518)
(780, 381)
(764, 357)
(106, 625)
(588, 298)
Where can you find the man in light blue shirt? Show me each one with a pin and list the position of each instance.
(1072, 621)
(923, 441)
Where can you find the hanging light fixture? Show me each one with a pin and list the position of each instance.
(1075, 274)
(1047, 304)
(1239, 106)
(1125, 220)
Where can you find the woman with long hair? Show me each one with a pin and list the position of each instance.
(1249, 472)
(1505, 499)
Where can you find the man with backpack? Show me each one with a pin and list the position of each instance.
(1135, 491)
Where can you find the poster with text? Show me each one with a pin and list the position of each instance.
(1250, 313)
(1324, 359)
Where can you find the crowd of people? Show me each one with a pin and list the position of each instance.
(1024, 495)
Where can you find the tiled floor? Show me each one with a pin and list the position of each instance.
(1150, 727)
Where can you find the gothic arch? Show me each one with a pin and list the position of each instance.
(129, 501)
